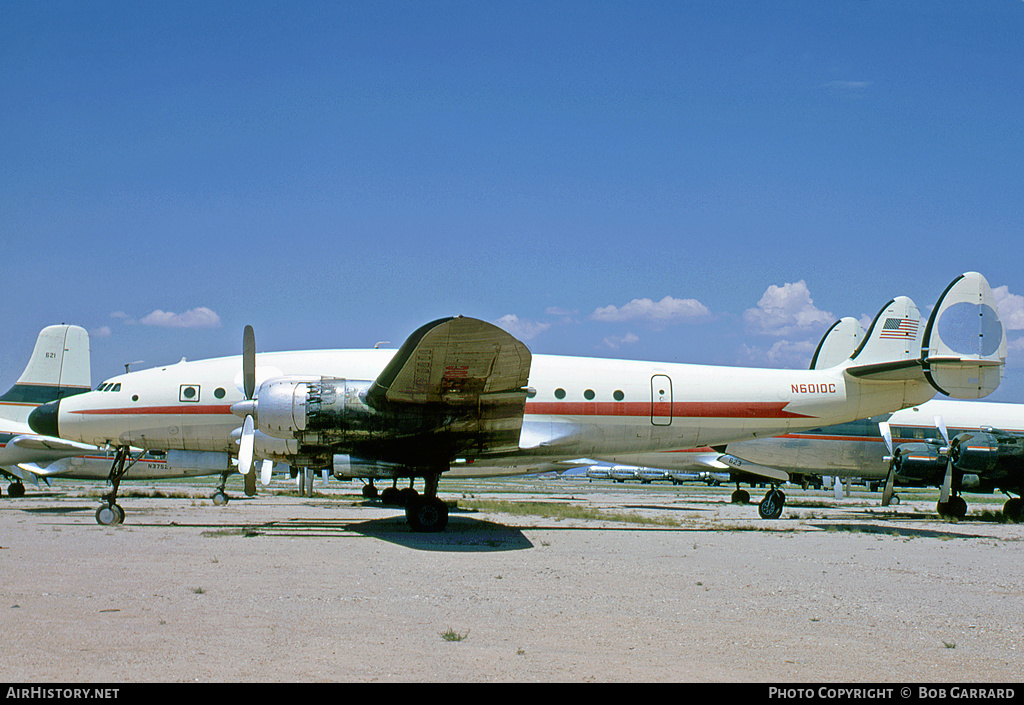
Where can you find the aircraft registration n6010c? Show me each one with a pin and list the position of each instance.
(464, 396)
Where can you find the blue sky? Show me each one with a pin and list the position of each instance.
(696, 181)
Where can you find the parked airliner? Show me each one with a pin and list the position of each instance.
(911, 445)
(59, 367)
(463, 395)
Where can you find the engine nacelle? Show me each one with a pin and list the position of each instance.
(978, 452)
(314, 410)
(920, 464)
(347, 467)
(997, 458)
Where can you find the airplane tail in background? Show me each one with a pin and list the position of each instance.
(838, 344)
(59, 367)
(960, 352)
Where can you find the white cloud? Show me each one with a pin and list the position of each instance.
(668, 310)
(101, 332)
(201, 317)
(1011, 308)
(782, 353)
(785, 310)
(617, 341)
(559, 311)
(522, 329)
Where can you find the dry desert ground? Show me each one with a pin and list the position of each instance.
(637, 583)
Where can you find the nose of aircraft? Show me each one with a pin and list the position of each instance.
(43, 419)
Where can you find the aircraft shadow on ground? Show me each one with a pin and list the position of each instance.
(882, 529)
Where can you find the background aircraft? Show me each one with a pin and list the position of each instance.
(911, 447)
(463, 394)
(57, 368)
(60, 367)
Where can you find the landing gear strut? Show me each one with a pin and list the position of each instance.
(110, 513)
(220, 497)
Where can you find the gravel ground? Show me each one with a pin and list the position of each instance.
(333, 588)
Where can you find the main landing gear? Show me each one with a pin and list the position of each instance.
(773, 503)
(1013, 510)
(769, 508)
(424, 512)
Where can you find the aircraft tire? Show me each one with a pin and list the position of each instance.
(109, 515)
(16, 490)
(772, 504)
(955, 508)
(406, 496)
(740, 497)
(1013, 510)
(220, 498)
(389, 495)
(427, 514)
(369, 492)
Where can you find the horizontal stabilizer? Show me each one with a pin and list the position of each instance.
(964, 345)
(739, 465)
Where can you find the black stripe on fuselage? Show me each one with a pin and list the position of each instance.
(39, 393)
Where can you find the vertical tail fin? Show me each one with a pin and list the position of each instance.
(838, 343)
(894, 336)
(59, 367)
(963, 350)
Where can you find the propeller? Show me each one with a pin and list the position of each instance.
(247, 441)
(890, 477)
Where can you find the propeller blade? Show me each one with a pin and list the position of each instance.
(883, 427)
(941, 425)
(890, 480)
(246, 446)
(947, 481)
(266, 470)
(249, 362)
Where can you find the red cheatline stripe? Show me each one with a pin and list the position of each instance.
(182, 409)
(712, 409)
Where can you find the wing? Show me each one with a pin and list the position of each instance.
(463, 381)
(49, 444)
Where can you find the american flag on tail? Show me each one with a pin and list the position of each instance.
(900, 328)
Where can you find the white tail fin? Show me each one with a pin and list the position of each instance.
(894, 338)
(963, 350)
(838, 344)
(59, 367)
(960, 352)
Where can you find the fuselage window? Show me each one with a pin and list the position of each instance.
(219, 392)
(559, 393)
(588, 394)
(618, 395)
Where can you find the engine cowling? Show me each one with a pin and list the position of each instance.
(314, 410)
(978, 452)
(920, 464)
(995, 458)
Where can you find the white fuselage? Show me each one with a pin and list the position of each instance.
(857, 449)
(577, 407)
